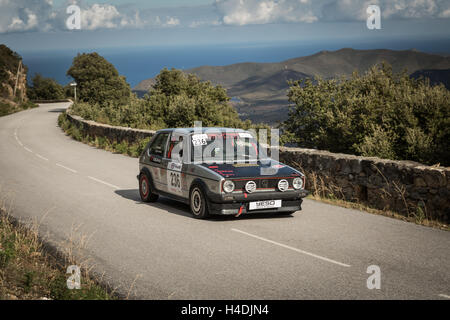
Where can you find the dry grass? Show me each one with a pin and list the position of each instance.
(31, 268)
(325, 191)
(28, 271)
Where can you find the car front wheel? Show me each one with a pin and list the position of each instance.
(197, 203)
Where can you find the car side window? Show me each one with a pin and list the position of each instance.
(175, 151)
(158, 146)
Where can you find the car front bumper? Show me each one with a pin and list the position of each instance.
(243, 208)
(234, 204)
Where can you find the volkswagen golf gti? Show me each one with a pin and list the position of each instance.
(218, 171)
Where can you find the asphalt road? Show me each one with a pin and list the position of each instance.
(322, 252)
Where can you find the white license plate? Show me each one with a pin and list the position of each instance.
(266, 204)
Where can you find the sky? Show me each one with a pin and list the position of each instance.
(34, 25)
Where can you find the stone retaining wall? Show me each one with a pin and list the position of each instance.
(406, 187)
(114, 133)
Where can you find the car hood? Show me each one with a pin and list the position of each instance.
(258, 169)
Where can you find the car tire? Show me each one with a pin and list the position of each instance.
(198, 203)
(145, 189)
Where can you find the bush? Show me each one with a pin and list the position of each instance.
(176, 100)
(45, 89)
(378, 114)
(8, 108)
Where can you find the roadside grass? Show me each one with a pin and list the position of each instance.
(320, 191)
(28, 271)
(7, 108)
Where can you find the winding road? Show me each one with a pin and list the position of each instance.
(158, 251)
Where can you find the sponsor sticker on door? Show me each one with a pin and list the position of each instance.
(175, 166)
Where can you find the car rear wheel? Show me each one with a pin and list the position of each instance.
(145, 189)
(197, 203)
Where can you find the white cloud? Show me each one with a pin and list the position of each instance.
(348, 10)
(23, 15)
(43, 15)
(243, 12)
(171, 22)
(100, 16)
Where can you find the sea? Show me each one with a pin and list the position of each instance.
(140, 63)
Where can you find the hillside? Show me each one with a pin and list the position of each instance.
(9, 65)
(435, 76)
(259, 89)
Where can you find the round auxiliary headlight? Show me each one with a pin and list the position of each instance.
(250, 186)
(228, 186)
(283, 185)
(297, 183)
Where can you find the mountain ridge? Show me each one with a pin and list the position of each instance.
(260, 88)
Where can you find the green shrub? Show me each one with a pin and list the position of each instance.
(59, 291)
(8, 252)
(6, 108)
(377, 114)
(45, 89)
(176, 100)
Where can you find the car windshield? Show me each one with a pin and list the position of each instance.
(224, 146)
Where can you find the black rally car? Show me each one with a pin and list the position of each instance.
(218, 171)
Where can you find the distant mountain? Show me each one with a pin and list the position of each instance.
(435, 76)
(259, 89)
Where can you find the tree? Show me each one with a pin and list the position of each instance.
(45, 89)
(176, 100)
(98, 81)
(377, 114)
(180, 99)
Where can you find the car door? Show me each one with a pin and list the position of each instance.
(173, 162)
(156, 153)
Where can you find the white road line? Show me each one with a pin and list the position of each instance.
(71, 170)
(29, 150)
(19, 142)
(105, 183)
(444, 296)
(292, 248)
(39, 156)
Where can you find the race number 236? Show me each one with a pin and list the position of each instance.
(174, 181)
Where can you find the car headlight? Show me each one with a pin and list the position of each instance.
(250, 186)
(297, 183)
(228, 186)
(283, 185)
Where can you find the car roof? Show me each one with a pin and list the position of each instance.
(203, 129)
